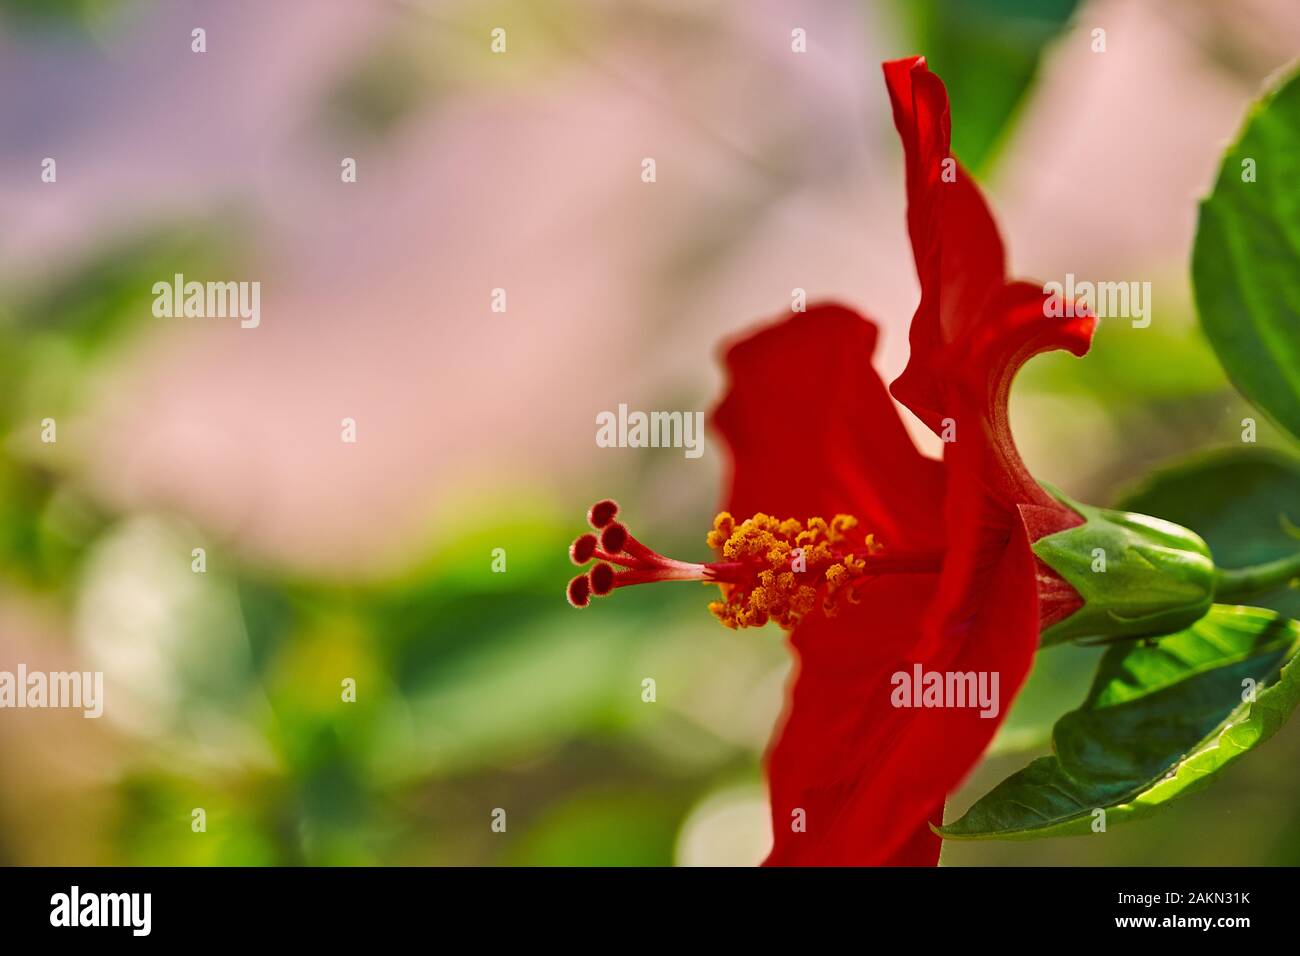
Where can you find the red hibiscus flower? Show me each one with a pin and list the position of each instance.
(885, 564)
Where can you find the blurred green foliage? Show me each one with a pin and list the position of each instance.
(61, 15)
(1245, 503)
(987, 52)
(57, 331)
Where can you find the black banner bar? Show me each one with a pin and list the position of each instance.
(216, 906)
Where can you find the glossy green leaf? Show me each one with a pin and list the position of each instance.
(1242, 501)
(1162, 720)
(1246, 261)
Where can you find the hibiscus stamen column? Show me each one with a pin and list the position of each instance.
(613, 545)
(771, 569)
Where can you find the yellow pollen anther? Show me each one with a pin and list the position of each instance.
(786, 565)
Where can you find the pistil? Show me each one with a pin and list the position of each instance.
(770, 569)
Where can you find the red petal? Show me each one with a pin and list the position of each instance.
(955, 242)
(1057, 599)
(972, 330)
(978, 378)
(922, 848)
(971, 333)
(813, 432)
(991, 495)
(868, 775)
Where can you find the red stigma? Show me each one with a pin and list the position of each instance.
(583, 549)
(622, 560)
(579, 591)
(602, 513)
(614, 538)
(756, 570)
(602, 579)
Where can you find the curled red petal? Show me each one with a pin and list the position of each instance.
(958, 252)
(972, 330)
(990, 492)
(812, 431)
(971, 334)
(855, 779)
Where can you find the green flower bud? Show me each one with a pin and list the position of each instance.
(1138, 576)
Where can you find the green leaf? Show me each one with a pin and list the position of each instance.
(1064, 674)
(1246, 261)
(1240, 500)
(1160, 721)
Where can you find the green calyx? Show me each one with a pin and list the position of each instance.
(1138, 576)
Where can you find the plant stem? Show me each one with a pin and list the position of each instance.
(1242, 582)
